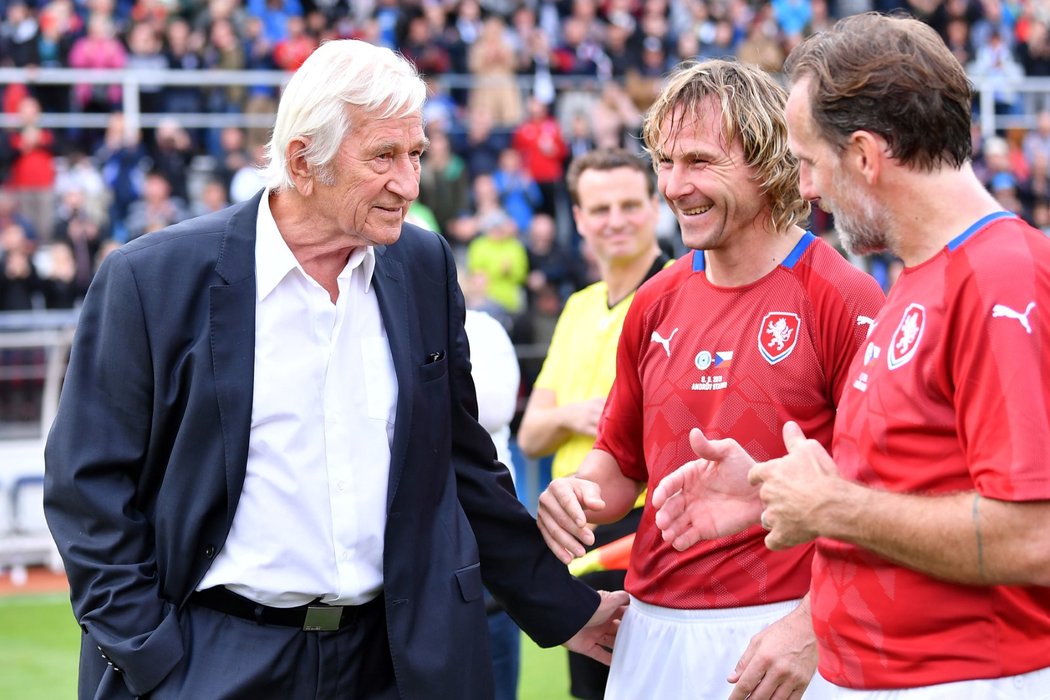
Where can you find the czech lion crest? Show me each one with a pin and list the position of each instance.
(777, 335)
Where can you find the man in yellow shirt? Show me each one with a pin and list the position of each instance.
(616, 208)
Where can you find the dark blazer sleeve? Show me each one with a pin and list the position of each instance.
(516, 565)
(94, 456)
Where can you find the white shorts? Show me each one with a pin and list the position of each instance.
(1034, 685)
(669, 653)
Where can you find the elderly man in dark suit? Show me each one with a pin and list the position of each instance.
(266, 477)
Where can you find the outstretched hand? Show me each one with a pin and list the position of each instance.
(562, 519)
(709, 497)
(596, 638)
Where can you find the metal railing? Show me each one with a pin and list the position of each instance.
(1034, 92)
(52, 332)
(49, 331)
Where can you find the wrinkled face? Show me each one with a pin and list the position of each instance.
(616, 215)
(705, 180)
(824, 178)
(374, 177)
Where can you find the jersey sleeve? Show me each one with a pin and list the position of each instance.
(999, 359)
(620, 427)
(846, 306)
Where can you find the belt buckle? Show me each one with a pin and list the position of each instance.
(322, 618)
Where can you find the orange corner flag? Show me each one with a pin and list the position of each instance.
(613, 556)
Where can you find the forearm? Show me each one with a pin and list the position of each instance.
(545, 426)
(113, 577)
(962, 537)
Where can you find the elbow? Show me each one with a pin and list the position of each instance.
(528, 444)
(1029, 566)
(1033, 555)
(1038, 570)
(535, 443)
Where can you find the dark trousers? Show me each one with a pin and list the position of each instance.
(506, 654)
(228, 657)
(588, 677)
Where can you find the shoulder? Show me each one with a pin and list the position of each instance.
(825, 275)
(482, 323)
(419, 252)
(188, 240)
(1008, 255)
(484, 331)
(415, 241)
(1005, 241)
(830, 265)
(667, 280)
(586, 297)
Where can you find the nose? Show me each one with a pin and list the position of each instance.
(805, 183)
(404, 179)
(616, 220)
(673, 182)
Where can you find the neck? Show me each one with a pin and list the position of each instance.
(622, 278)
(750, 258)
(928, 210)
(321, 253)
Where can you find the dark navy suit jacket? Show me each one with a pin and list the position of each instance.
(146, 460)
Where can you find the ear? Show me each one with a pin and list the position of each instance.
(299, 170)
(867, 151)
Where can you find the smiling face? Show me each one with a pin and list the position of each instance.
(861, 223)
(615, 214)
(367, 189)
(707, 182)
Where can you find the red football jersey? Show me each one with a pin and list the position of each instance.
(950, 394)
(737, 362)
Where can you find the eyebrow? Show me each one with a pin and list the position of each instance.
(701, 153)
(384, 146)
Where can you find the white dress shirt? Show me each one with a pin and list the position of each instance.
(311, 516)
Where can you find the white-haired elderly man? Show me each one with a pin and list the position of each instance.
(266, 477)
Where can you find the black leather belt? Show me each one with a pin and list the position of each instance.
(312, 617)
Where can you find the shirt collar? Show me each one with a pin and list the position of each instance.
(274, 259)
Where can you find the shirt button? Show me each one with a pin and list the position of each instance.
(341, 485)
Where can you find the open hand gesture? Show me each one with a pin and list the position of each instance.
(709, 497)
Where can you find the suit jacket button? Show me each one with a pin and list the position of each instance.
(209, 551)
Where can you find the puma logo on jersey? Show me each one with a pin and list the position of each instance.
(665, 342)
(1000, 311)
(866, 321)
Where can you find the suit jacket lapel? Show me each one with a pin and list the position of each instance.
(393, 306)
(232, 327)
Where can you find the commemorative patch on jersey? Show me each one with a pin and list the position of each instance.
(705, 359)
(905, 340)
(871, 353)
(715, 361)
(777, 335)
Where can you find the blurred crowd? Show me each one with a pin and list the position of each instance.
(518, 87)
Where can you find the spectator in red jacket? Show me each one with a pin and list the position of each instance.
(32, 175)
(543, 150)
(290, 52)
